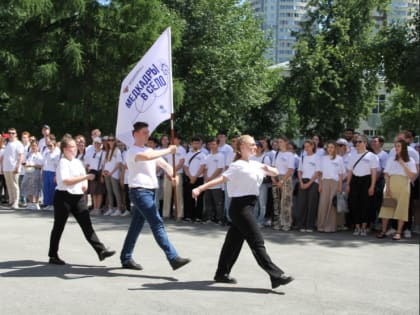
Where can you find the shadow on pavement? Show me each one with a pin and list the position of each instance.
(32, 268)
(202, 286)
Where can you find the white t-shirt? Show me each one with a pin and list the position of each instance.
(411, 152)
(284, 161)
(332, 169)
(383, 158)
(363, 168)
(11, 155)
(68, 169)
(51, 160)
(179, 155)
(394, 167)
(214, 162)
(227, 152)
(244, 178)
(95, 160)
(310, 165)
(124, 164)
(110, 165)
(42, 146)
(141, 173)
(33, 159)
(195, 164)
(264, 159)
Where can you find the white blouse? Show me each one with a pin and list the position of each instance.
(394, 167)
(68, 169)
(244, 178)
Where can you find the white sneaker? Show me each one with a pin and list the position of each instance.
(36, 206)
(407, 233)
(267, 223)
(116, 213)
(363, 232)
(302, 230)
(356, 232)
(390, 232)
(30, 206)
(109, 212)
(125, 213)
(49, 208)
(95, 212)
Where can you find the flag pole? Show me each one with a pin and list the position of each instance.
(171, 98)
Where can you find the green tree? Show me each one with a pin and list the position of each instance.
(399, 45)
(333, 74)
(402, 112)
(62, 62)
(221, 64)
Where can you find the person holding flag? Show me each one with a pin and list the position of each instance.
(142, 181)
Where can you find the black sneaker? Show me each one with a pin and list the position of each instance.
(282, 280)
(224, 279)
(56, 261)
(105, 254)
(178, 262)
(131, 264)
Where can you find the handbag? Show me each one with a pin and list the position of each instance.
(98, 172)
(342, 205)
(389, 202)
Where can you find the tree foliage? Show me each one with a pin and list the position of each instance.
(402, 112)
(333, 75)
(62, 62)
(221, 64)
(399, 46)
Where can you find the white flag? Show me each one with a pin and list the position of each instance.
(146, 92)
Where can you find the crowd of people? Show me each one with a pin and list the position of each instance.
(346, 183)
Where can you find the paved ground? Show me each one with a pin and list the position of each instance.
(335, 273)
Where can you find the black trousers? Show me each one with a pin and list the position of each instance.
(359, 200)
(64, 203)
(193, 209)
(244, 227)
(307, 206)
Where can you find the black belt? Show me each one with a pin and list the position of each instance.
(142, 188)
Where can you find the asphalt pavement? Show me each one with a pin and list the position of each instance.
(334, 273)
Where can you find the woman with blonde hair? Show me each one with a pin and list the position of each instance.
(398, 174)
(330, 183)
(243, 178)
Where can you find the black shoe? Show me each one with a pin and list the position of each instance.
(283, 280)
(56, 261)
(131, 264)
(178, 262)
(105, 254)
(224, 279)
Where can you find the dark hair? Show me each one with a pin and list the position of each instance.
(222, 132)
(283, 137)
(65, 141)
(335, 146)
(139, 125)
(312, 143)
(404, 151)
(195, 139)
(268, 141)
(212, 139)
(380, 139)
(154, 139)
(349, 129)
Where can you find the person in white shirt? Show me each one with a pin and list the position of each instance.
(284, 161)
(343, 150)
(26, 142)
(142, 164)
(214, 197)
(376, 144)
(361, 180)
(12, 162)
(31, 183)
(42, 144)
(168, 188)
(94, 162)
(3, 187)
(261, 206)
(399, 172)
(407, 136)
(308, 173)
(51, 158)
(320, 151)
(330, 183)
(111, 174)
(195, 163)
(243, 178)
(71, 185)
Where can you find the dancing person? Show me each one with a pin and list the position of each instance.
(142, 164)
(71, 185)
(243, 178)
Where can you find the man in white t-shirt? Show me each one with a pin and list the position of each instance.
(12, 161)
(42, 144)
(214, 197)
(167, 184)
(194, 166)
(142, 163)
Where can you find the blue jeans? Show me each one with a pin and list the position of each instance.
(48, 187)
(144, 208)
(261, 205)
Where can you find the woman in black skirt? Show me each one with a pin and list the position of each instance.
(244, 177)
(71, 185)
